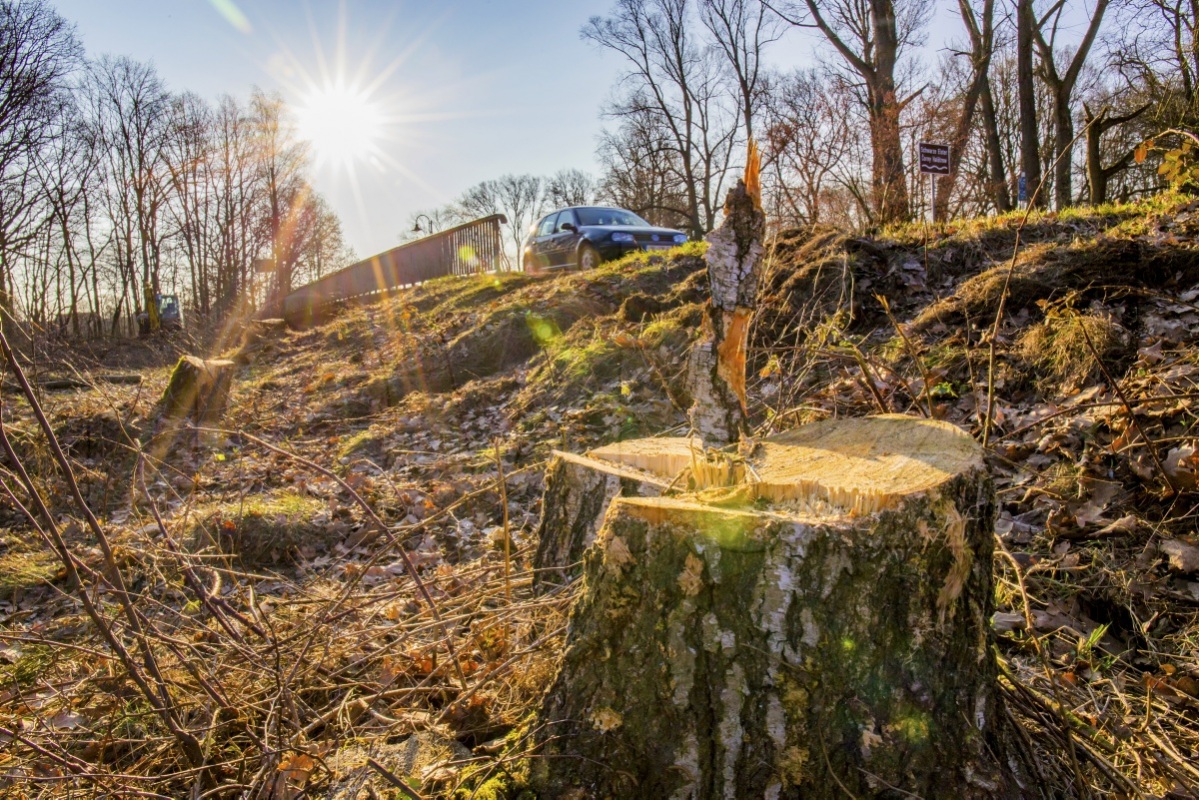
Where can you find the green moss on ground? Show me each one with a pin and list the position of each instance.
(262, 530)
(23, 567)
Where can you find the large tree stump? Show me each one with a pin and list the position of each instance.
(817, 627)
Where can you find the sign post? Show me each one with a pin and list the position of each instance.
(934, 161)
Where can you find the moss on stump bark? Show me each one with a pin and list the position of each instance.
(197, 389)
(786, 649)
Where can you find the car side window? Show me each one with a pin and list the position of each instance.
(547, 225)
(563, 218)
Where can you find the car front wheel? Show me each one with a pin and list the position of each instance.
(589, 257)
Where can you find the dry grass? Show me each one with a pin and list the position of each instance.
(278, 664)
(1058, 351)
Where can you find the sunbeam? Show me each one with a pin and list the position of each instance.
(342, 123)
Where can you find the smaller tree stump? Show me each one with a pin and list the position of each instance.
(198, 390)
(258, 336)
(811, 622)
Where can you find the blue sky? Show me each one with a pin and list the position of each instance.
(475, 89)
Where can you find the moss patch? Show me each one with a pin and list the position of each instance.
(263, 530)
(24, 568)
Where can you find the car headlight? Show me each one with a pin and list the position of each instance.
(618, 236)
(680, 238)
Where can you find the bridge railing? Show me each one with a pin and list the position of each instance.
(466, 249)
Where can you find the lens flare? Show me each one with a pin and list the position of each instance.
(341, 122)
(233, 15)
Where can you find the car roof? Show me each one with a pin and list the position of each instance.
(601, 208)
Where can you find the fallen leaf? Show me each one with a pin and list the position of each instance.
(1183, 557)
(1180, 465)
(67, 721)
(1008, 621)
(1126, 524)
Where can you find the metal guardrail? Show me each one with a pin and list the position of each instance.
(462, 250)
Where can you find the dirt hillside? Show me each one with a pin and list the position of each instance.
(270, 560)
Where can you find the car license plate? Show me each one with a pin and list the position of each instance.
(658, 246)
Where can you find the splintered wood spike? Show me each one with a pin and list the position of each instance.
(717, 368)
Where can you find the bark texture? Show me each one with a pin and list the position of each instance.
(1030, 154)
(572, 509)
(795, 651)
(198, 389)
(717, 367)
(576, 498)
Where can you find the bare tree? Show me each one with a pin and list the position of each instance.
(38, 52)
(327, 249)
(1099, 123)
(517, 197)
(808, 147)
(237, 182)
(282, 161)
(1153, 48)
(66, 171)
(872, 36)
(642, 171)
(131, 115)
(570, 187)
(980, 28)
(189, 159)
(1061, 80)
(1026, 90)
(741, 30)
(675, 83)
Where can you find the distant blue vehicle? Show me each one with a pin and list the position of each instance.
(585, 236)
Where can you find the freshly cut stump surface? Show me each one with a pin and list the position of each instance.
(812, 621)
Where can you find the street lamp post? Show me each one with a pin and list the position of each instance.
(428, 229)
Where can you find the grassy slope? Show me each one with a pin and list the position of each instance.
(409, 399)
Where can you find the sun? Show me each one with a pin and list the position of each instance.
(342, 123)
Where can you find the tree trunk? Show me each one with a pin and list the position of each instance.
(1063, 148)
(891, 201)
(1030, 153)
(716, 371)
(999, 180)
(1096, 177)
(813, 625)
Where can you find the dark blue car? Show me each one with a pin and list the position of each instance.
(584, 236)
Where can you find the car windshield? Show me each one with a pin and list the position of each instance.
(608, 216)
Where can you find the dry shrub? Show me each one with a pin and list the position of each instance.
(1058, 350)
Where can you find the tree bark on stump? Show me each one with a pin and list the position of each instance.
(198, 389)
(818, 628)
(572, 508)
(578, 491)
(716, 370)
